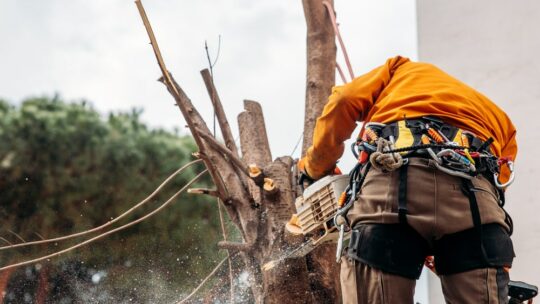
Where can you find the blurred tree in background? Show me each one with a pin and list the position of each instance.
(64, 169)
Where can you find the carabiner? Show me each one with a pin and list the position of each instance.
(510, 165)
(339, 247)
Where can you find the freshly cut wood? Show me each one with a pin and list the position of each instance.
(260, 198)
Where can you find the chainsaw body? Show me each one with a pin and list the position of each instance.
(316, 208)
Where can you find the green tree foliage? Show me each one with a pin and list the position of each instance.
(64, 169)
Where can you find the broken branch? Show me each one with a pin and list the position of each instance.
(220, 113)
(228, 153)
(203, 191)
(256, 174)
(190, 114)
(253, 138)
(270, 188)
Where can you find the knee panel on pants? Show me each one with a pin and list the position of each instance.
(463, 251)
(393, 248)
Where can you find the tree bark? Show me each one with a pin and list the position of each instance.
(320, 78)
(321, 64)
(220, 113)
(260, 198)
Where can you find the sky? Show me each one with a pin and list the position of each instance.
(98, 51)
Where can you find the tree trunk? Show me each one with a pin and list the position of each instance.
(321, 64)
(320, 78)
(259, 193)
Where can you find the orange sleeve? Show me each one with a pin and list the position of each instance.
(347, 105)
(508, 150)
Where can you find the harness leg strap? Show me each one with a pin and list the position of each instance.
(469, 190)
(402, 194)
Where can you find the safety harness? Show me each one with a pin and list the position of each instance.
(454, 151)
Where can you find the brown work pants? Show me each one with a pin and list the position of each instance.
(436, 207)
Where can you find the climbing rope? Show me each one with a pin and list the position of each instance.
(55, 254)
(340, 72)
(383, 160)
(332, 15)
(85, 232)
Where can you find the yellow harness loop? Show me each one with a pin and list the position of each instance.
(405, 137)
(458, 138)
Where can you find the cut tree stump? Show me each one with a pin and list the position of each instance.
(258, 192)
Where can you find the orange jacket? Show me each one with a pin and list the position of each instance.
(402, 88)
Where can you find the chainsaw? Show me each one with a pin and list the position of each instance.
(314, 217)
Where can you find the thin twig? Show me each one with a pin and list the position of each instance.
(297, 143)
(3, 239)
(17, 236)
(55, 254)
(204, 281)
(219, 111)
(146, 200)
(218, 52)
(211, 75)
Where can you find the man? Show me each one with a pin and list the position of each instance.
(441, 195)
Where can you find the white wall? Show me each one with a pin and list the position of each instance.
(494, 45)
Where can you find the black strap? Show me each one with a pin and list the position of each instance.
(486, 144)
(390, 130)
(469, 190)
(402, 194)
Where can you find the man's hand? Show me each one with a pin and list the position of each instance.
(306, 178)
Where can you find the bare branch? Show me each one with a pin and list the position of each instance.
(220, 113)
(253, 138)
(8, 242)
(39, 236)
(203, 191)
(16, 235)
(228, 153)
(192, 117)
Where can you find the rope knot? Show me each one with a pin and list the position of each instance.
(385, 161)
